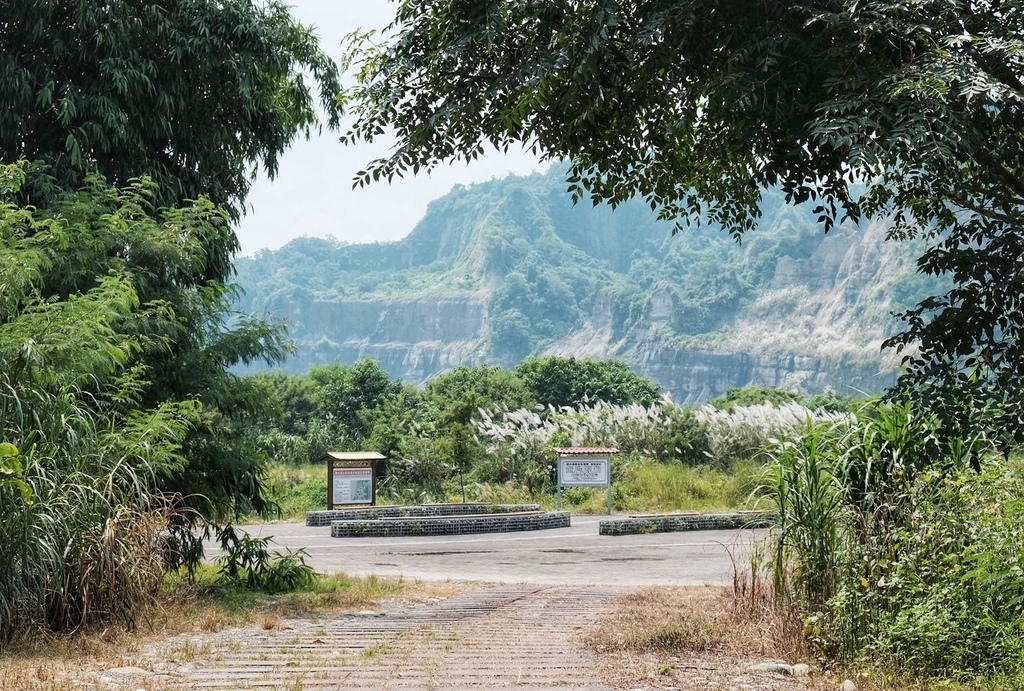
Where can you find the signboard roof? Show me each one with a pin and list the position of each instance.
(354, 456)
(584, 450)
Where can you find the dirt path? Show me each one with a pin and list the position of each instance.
(526, 637)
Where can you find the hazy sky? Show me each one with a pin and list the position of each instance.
(313, 195)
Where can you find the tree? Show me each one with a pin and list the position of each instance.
(755, 395)
(291, 398)
(560, 381)
(83, 456)
(482, 386)
(874, 107)
(168, 101)
(178, 341)
(192, 94)
(347, 394)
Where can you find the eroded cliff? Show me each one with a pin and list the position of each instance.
(510, 268)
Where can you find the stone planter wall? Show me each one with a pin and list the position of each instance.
(670, 523)
(451, 525)
(324, 518)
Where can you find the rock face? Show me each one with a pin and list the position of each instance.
(692, 377)
(509, 268)
(413, 339)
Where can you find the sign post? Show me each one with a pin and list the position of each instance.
(585, 467)
(351, 478)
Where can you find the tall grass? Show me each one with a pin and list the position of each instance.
(805, 482)
(674, 486)
(745, 431)
(889, 544)
(82, 545)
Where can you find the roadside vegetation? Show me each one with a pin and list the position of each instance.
(480, 434)
(899, 551)
(125, 435)
(897, 564)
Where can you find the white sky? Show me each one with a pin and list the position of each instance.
(312, 193)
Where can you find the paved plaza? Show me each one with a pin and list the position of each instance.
(574, 555)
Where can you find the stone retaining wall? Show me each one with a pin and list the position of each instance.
(670, 523)
(323, 518)
(451, 525)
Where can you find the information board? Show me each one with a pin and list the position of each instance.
(352, 486)
(584, 471)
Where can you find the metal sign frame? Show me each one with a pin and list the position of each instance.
(585, 468)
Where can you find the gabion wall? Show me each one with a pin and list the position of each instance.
(641, 525)
(321, 518)
(451, 525)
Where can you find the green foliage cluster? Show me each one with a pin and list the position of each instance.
(558, 381)
(830, 400)
(529, 308)
(333, 407)
(754, 395)
(190, 94)
(893, 549)
(431, 434)
(85, 445)
(246, 560)
(127, 142)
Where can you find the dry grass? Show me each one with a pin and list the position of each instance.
(696, 637)
(700, 638)
(61, 663)
(73, 662)
(695, 619)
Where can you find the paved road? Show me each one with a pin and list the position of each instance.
(575, 555)
(525, 637)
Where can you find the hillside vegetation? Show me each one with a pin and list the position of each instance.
(510, 268)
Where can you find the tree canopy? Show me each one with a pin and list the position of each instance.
(129, 133)
(192, 94)
(871, 107)
(142, 124)
(568, 381)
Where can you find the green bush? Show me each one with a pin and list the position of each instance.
(752, 395)
(954, 591)
(247, 562)
(891, 547)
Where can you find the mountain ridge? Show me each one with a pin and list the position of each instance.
(509, 268)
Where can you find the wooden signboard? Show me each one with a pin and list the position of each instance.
(351, 478)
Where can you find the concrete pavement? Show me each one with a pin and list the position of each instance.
(574, 555)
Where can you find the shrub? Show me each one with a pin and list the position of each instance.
(891, 546)
(248, 562)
